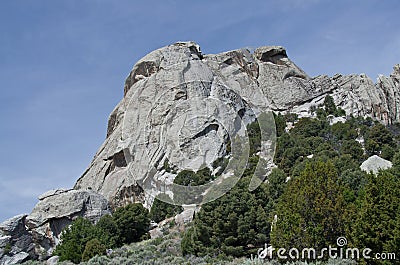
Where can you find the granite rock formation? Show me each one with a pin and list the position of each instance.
(146, 128)
(179, 110)
(35, 235)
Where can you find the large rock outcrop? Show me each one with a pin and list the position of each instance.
(147, 127)
(180, 110)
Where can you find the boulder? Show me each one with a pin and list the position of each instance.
(53, 213)
(53, 260)
(15, 259)
(52, 193)
(16, 242)
(35, 235)
(374, 164)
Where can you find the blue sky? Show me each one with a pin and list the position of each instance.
(63, 65)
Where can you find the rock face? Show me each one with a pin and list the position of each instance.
(374, 164)
(177, 99)
(16, 243)
(180, 110)
(35, 235)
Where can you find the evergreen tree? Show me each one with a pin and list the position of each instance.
(310, 212)
(93, 248)
(107, 231)
(353, 148)
(329, 105)
(236, 224)
(377, 137)
(133, 222)
(74, 239)
(378, 221)
(161, 210)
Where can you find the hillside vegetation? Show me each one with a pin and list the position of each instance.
(316, 194)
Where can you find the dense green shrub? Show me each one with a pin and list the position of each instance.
(107, 231)
(377, 225)
(74, 239)
(161, 210)
(132, 222)
(128, 224)
(93, 248)
(238, 223)
(311, 210)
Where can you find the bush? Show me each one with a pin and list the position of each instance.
(132, 222)
(311, 210)
(93, 248)
(161, 210)
(74, 239)
(107, 231)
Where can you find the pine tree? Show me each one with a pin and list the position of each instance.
(378, 221)
(133, 222)
(74, 239)
(93, 248)
(310, 212)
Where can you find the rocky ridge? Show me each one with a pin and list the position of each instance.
(245, 82)
(180, 107)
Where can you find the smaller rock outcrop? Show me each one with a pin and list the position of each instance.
(35, 235)
(16, 243)
(374, 164)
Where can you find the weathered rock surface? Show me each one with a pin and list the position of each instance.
(180, 108)
(374, 164)
(53, 260)
(179, 105)
(16, 244)
(15, 259)
(36, 235)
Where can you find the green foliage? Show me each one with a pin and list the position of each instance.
(284, 142)
(7, 249)
(291, 156)
(344, 162)
(387, 152)
(128, 224)
(93, 248)
(254, 134)
(161, 210)
(189, 177)
(220, 163)
(74, 239)
(230, 224)
(344, 131)
(237, 223)
(377, 225)
(329, 109)
(352, 148)
(307, 127)
(107, 231)
(376, 138)
(329, 105)
(311, 210)
(133, 223)
(353, 182)
(280, 123)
